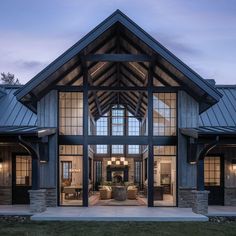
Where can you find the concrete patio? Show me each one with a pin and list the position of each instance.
(113, 213)
(117, 213)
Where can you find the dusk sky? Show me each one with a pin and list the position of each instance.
(202, 33)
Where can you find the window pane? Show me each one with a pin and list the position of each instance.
(164, 114)
(71, 113)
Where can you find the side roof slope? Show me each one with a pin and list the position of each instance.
(12, 112)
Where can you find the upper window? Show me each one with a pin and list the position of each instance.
(133, 149)
(164, 114)
(133, 125)
(102, 126)
(117, 149)
(117, 121)
(101, 149)
(71, 113)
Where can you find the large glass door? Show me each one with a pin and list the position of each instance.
(164, 186)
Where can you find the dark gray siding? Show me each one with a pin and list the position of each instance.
(188, 111)
(47, 117)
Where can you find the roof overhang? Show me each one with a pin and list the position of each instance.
(207, 95)
(211, 131)
(29, 131)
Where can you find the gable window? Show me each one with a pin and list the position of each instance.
(133, 125)
(71, 113)
(102, 126)
(164, 114)
(117, 121)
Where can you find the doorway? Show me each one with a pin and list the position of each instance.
(21, 178)
(214, 179)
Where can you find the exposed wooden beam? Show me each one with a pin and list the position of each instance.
(118, 57)
(117, 88)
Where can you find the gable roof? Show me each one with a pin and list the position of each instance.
(12, 112)
(211, 95)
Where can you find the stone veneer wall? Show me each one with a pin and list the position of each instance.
(185, 197)
(230, 196)
(51, 197)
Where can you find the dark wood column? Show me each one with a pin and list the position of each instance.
(200, 175)
(35, 173)
(85, 135)
(150, 136)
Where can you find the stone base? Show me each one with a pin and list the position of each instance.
(51, 197)
(230, 196)
(37, 200)
(185, 197)
(200, 202)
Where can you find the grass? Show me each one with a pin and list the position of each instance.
(118, 228)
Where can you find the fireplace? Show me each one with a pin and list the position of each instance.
(117, 174)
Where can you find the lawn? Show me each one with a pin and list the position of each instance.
(117, 228)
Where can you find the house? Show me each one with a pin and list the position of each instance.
(118, 120)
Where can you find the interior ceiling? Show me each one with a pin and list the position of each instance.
(117, 39)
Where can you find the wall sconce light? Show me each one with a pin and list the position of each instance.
(122, 159)
(126, 163)
(113, 159)
(117, 162)
(1, 164)
(233, 162)
(109, 163)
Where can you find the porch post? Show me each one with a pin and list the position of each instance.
(200, 196)
(35, 173)
(200, 175)
(85, 134)
(150, 137)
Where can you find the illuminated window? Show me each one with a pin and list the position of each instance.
(71, 113)
(212, 171)
(164, 114)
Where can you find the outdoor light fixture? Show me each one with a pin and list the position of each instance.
(113, 159)
(122, 159)
(126, 163)
(109, 163)
(233, 164)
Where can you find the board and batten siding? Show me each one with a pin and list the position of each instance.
(47, 111)
(188, 115)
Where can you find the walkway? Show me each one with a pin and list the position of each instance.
(222, 211)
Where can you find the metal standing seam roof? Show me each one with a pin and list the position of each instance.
(13, 112)
(223, 113)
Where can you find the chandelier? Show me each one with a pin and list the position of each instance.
(117, 161)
